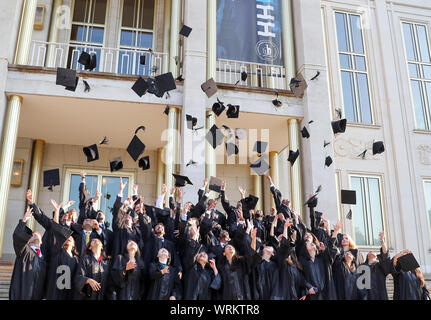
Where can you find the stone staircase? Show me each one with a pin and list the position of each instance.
(390, 286)
(6, 269)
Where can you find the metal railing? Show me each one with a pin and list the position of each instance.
(112, 60)
(259, 75)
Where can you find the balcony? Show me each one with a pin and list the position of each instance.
(259, 75)
(110, 60)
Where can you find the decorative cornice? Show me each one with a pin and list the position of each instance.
(352, 148)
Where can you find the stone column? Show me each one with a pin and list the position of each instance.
(35, 174)
(25, 32)
(170, 150)
(295, 170)
(175, 36)
(274, 172)
(258, 191)
(10, 133)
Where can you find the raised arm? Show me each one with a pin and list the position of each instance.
(22, 233)
(276, 194)
(43, 220)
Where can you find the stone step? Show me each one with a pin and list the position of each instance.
(4, 282)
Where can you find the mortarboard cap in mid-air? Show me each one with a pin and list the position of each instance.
(378, 147)
(348, 196)
(116, 164)
(260, 146)
(231, 149)
(349, 215)
(298, 86)
(51, 178)
(91, 152)
(251, 201)
(260, 166)
(232, 111)
(136, 146)
(181, 181)
(293, 155)
(185, 31)
(164, 83)
(408, 262)
(215, 136)
(191, 121)
(144, 163)
(209, 87)
(66, 77)
(142, 59)
(218, 107)
(244, 76)
(140, 87)
(305, 133)
(328, 161)
(339, 126)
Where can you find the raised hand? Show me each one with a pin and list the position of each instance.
(135, 189)
(205, 183)
(267, 176)
(337, 227)
(29, 196)
(122, 185)
(98, 195)
(164, 188)
(69, 204)
(56, 206)
(27, 215)
(242, 191)
(172, 191)
(83, 174)
(223, 185)
(382, 236)
(130, 265)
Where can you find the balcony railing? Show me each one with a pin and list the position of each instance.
(259, 75)
(112, 60)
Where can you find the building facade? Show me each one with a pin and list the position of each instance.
(374, 61)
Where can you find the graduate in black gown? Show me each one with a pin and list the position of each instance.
(28, 276)
(317, 261)
(380, 266)
(92, 274)
(408, 285)
(86, 203)
(64, 258)
(345, 277)
(165, 282)
(234, 269)
(128, 273)
(201, 277)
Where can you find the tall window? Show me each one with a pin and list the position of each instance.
(419, 65)
(136, 36)
(106, 182)
(367, 213)
(427, 184)
(88, 30)
(353, 67)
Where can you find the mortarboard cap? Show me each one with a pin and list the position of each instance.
(293, 155)
(151, 83)
(209, 87)
(218, 107)
(339, 126)
(215, 184)
(140, 87)
(260, 146)
(181, 181)
(160, 213)
(378, 147)
(116, 164)
(167, 110)
(144, 163)
(214, 136)
(311, 202)
(191, 121)
(260, 166)
(408, 262)
(251, 201)
(232, 111)
(73, 88)
(164, 83)
(349, 215)
(91, 152)
(84, 58)
(328, 161)
(231, 149)
(93, 63)
(142, 59)
(244, 76)
(298, 86)
(66, 77)
(51, 178)
(185, 31)
(136, 146)
(241, 133)
(348, 196)
(305, 133)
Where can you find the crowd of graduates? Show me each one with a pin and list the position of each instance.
(195, 252)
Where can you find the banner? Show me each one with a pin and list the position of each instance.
(250, 31)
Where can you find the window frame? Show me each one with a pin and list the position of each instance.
(426, 105)
(383, 211)
(137, 30)
(352, 71)
(99, 173)
(86, 44)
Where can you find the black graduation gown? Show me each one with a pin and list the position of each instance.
(379, 272)
(319, 272)
(28, 276)
(129, 283)
(345, 281)
(89, 267)
(266, 280)
(406, 285)
(163, 286)
(235, 284)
